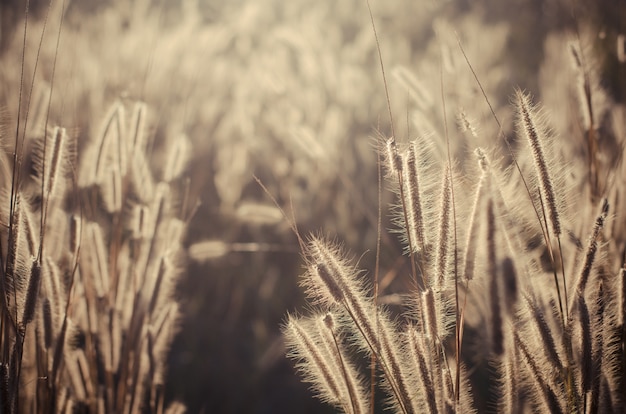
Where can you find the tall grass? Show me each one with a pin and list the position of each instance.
(516, 267)
(90, 254)
(259, 91)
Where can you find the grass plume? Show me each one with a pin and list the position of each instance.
(546, 349)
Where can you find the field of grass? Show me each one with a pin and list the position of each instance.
(206, 202)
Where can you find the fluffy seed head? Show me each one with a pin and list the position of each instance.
(412, 202)
(535, 134)
(330, 278)
(394, 163)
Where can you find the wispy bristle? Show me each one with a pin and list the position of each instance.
(394, 164)
(547, 338)
(590, 253)
(315, 367)
(598, 363)
(412, 202)
(466, 124)
(330, 281)
(338, 283)
(353, 393)
(443, 237)
(509, 396)
(429, 314)
(535, 136)
(418, 353)
(548, 399)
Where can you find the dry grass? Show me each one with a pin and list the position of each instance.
(289, 92)
(90, 265)
(91, 254)
(520, 260)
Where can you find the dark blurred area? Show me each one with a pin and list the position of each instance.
(229, 356)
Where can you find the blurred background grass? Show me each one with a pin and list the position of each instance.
(290, 92)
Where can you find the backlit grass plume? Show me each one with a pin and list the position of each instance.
(506, 309)
(88, 310)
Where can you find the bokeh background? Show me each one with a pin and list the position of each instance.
(290, 92)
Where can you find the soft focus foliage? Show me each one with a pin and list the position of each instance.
(292, 93)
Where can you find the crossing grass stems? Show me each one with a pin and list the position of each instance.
(552, 318)
(91, 252)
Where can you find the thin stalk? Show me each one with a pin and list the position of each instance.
(458, 331)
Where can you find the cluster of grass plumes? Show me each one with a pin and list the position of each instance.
(271, 75)
(91, 254)
(518, 261)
